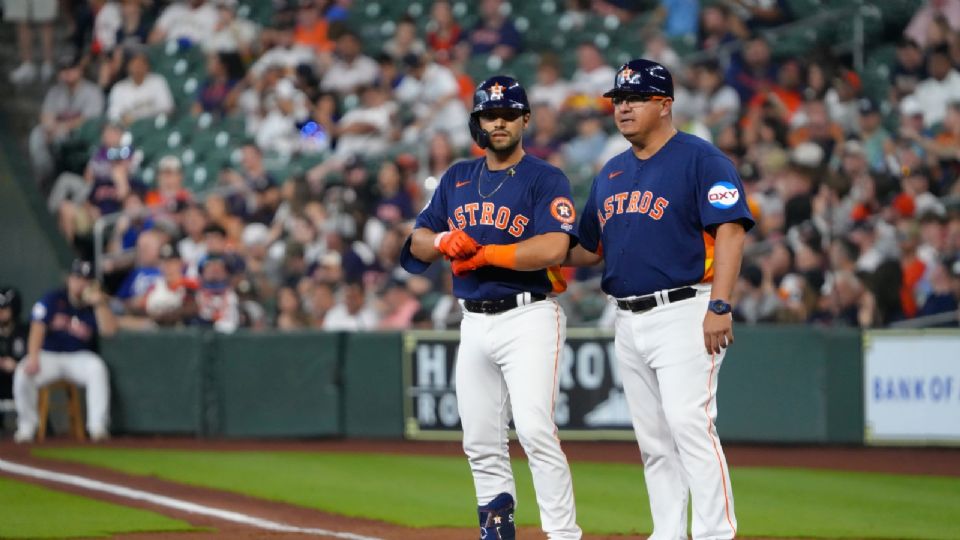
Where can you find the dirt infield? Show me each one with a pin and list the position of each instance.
(932, 461)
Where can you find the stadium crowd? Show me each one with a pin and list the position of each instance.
(856, 197)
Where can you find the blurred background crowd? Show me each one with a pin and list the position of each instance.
(258, 163)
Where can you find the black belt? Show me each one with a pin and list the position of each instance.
(648, 302)
(501, 305)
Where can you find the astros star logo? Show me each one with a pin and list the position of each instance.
(626, 73)
(496, 91)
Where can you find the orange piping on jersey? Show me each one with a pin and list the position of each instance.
(556, 372)
(708, 243)
(716, 451)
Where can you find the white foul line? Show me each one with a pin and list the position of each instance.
(161, 500)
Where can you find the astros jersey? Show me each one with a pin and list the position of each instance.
(69, 328)
(650, 215)
(501, 207)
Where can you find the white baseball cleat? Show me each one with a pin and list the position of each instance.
(99, 436)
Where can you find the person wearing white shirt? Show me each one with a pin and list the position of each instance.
(193, 20)
(352, 313)
(942, 87)
(350, 69)
(285, 54)
(431, 90)
(593, 75)
(141, 95)
(232, 33)
(365, 130)
(550, 87)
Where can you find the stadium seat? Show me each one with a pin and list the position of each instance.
(74, 409)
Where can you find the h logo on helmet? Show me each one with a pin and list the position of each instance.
(496, 91)
(625, 74)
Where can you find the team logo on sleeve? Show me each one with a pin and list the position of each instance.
(562, 210)
(723, 195)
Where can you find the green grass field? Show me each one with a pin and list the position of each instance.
(425, 491)
(28, 511)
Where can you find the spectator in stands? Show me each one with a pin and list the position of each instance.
(818, 128)
(752, 70)
(440, 155)
(290, 313)
(170, 300)
(874, 136)
(943, 297)
(658, 49)
(431, 91)
(144, 274)
(397, 306)
(909, 68)
(494, 34)
(313, 29)
(591, 78)
(27, 14)
(217, 302)
(131, 30)
(67, 105)
(170, 196)
(550, 88)
(284, 110)
(321, 300)
(715, 28)
(232, 34)
(941, 87)
(714, 102)
(393, 203)
(285, 55)
(65, 330)
(190, 22)
(141, 95)
(351, 69)
(262, 264)
(217, 94)
(217, 246)
(365, 130)
(106, 181)
(443, 32)
(191, 247)
(753, 15)
(13, 339)
(405, 40)
(352, 312)
(678, 18)
(582, 150)
(923, 19)
(543, 139)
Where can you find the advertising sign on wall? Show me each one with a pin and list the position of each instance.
(912, 387)
(590, 402)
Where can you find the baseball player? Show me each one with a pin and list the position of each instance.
(65, 325)
(13, 340)
(504, 220)
(668, 219)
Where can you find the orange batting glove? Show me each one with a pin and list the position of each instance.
(455, 244)
(492, 255)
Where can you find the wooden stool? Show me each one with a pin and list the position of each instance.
(74, 410)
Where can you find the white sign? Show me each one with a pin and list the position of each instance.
(912, 387)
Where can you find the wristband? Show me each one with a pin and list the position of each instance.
(438, 238)
(504, 256)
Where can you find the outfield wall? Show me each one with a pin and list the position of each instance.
(777, 385)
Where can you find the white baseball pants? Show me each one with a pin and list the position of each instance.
(507, 363)
(84, 368)
(670, 382)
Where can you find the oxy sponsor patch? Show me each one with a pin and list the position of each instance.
(723, 195)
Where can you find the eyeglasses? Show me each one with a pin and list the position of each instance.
(634, 99)
(507, 114)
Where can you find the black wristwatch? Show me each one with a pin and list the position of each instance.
(720, 307)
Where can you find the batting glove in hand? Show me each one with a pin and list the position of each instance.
(455, 244)
(461, 267)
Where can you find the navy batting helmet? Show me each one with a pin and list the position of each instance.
(497, 92)
(643, 77)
